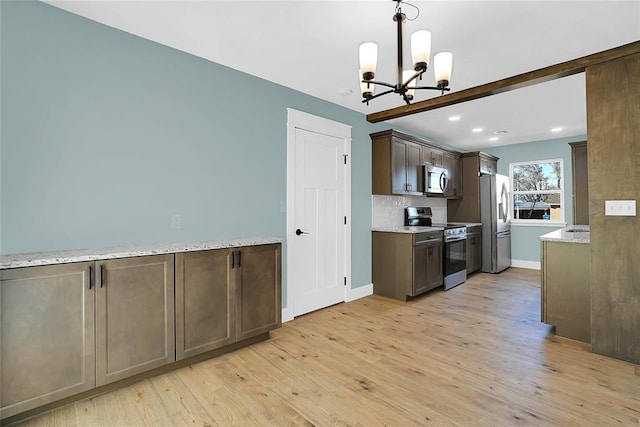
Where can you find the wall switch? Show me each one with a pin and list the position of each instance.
(176, 221)
(620, 207)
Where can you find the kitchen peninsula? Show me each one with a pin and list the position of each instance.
(565, 300)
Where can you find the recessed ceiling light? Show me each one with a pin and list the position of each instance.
(493, 138)
(454, 118)
(556, 129)
(345, 91)
(477, 130)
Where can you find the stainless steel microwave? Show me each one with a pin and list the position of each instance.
(436, 179)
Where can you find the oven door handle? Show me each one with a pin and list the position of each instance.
(425, 242)
(455, 239)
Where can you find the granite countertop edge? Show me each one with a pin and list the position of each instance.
(406, 229)
(8, 261)
(564, 235)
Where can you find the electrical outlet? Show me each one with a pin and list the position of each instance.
(620, 207)
(176, 221)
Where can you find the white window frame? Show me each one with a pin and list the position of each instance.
(538, 222)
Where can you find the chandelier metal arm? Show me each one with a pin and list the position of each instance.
(373, 82)
(366, 100)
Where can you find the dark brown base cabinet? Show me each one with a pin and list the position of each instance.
(474, 248)
(406, 265)
(47, 339)
(69, 328)
(134, 316)
(225, 296)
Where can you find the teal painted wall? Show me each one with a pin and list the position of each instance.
(525, 245)
(105, 135)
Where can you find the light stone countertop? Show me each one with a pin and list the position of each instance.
(567, 235)
(468, 224)
(406, 229)
(63, 257)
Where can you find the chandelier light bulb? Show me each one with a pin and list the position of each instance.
(421, 49)
(368, 60)
(442, 66)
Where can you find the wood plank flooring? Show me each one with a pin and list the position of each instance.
(476, 355)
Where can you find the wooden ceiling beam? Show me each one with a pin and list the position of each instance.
(541, 75)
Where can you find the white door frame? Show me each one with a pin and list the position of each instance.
(301, 120)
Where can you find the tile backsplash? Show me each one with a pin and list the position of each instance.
(388, 211)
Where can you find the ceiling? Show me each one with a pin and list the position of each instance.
(312, 46)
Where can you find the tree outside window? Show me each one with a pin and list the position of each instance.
(537, 191)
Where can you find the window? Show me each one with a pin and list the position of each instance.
(538, 192)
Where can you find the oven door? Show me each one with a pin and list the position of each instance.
(455, 257)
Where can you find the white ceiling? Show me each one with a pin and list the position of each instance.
(312, 46)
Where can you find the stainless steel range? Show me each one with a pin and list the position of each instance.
(455, 244)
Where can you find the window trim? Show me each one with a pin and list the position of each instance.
(539, 222)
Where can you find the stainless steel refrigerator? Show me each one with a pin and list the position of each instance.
(495, 214)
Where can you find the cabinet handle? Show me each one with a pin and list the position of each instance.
(233, 259)
(90, 277)
(103, 275)
(431, 250)
(239, 258)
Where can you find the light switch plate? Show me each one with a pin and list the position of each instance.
(620, 207)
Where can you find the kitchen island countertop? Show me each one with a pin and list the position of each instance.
(67, 256)
(569, 234)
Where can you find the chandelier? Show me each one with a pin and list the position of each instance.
(420, 53)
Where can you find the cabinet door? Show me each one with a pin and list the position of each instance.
(420, 281)
(454, 165)
(204, 302)
(488, 166)
(46, 335)
(474, 255)
(414, 166)
(398, 167)
(258, 290)
(433, 156)
(435, 278)
(135, 316)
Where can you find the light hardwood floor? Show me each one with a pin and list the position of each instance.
(476, 355)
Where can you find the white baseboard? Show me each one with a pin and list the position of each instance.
(359, 292)
(532, 265)
(352, 295)
(287, 315)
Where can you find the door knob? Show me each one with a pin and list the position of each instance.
(299, 232)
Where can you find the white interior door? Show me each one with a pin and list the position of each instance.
(317, 236)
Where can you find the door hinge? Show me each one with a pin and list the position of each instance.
(345, 158)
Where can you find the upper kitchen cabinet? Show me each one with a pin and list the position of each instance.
(453, 163)
(397, 165)
(467, 208)
(488, 164)
(397, 161)
(433, 156)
